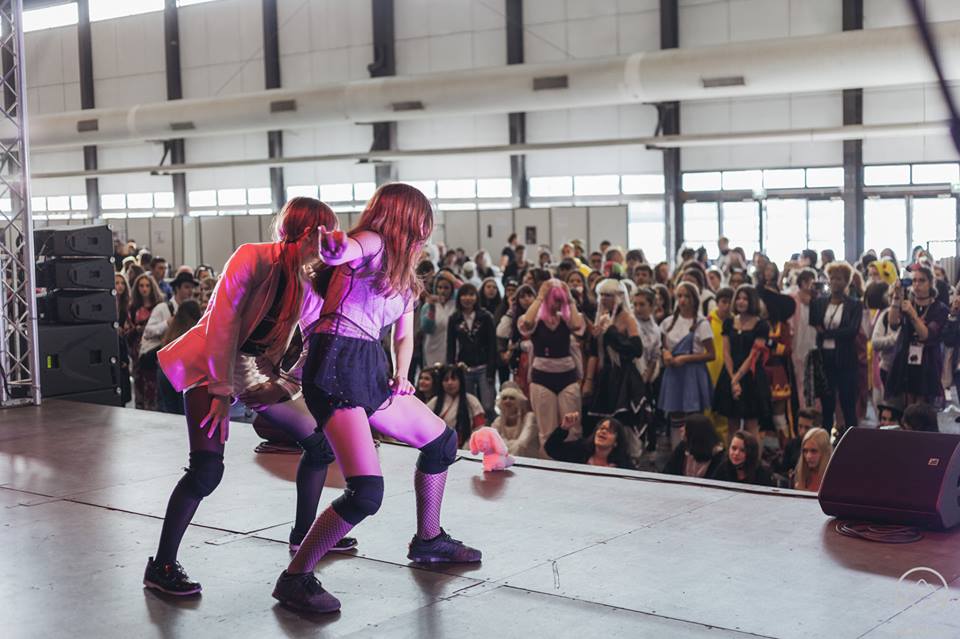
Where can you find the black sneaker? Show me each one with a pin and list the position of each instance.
(169, 578)
(442, 549)
(347, 543)
(302, 591)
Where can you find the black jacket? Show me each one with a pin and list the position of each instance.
(727, 472)
(846, 334)
(473, 347)
(676, 463)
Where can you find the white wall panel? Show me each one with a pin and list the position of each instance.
(638, 32)
(266, 227)
(567, 223)
(216, 241)
(607, 223)
(539, 219)
(246, 229)
(190, 252)
(461, 230)
(810, 17)
(495, 228)
(161, 240)
(140, 231)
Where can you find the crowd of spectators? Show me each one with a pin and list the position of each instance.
(734, 369)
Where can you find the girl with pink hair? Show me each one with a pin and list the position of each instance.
(550, 324)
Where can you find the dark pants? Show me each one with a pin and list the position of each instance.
(842, 384)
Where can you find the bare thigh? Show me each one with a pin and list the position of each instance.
(406, 418)
(348, 432)
(292, 417)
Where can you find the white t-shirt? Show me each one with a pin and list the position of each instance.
(833, 316)
(449, 411)
(681, 329)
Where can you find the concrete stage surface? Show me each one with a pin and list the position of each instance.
(567, 552)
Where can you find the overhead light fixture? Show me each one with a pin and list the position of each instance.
(728, 81)
(411, 105)
(549, 82)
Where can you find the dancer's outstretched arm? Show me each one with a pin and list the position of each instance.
(336, 247)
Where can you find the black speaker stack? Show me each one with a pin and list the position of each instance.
(77, 314)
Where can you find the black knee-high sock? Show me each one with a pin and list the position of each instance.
(310, 480)
(180, 511)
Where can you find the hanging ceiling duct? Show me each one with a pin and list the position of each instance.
(867, 58)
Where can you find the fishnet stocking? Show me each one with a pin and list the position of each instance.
(429, 489)
(327, 530)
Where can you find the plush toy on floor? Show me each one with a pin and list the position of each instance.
(488, 441)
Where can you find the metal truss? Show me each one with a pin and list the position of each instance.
(19, 361)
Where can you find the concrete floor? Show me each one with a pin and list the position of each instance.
(566, 553)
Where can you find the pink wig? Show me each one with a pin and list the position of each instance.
(556, 303)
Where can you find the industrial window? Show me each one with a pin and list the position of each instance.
(336, 192)
(641, 184)
(202, 198)
(108, 9)
(260, 195)
(59, 15)
(827, 177)
(596, 185)
(934, 225)
(551, 186)
(140, 200)
(784, 179)
(784, 228)
(885, 225)
(702, 181)
(886, 174)
(741, 224)
(646, 229)
(363, 191)
(494, 187)
(308, 190)
(456, 189)
(701, 225)
(427, 187)
(936, 173)
(163, 200)
(742, 180)
(825, 225)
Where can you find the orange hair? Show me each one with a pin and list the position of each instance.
(298, 218)
(403, 218)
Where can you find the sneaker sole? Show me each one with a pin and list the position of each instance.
(298, 607)
(442, 560)
(294, 549)
(175, 593)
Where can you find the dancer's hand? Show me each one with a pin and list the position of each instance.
(262, 395)
(333, 244)
(218, 417)
(401, 386)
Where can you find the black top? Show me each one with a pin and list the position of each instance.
(475, 345)
(728, 472)
(741, 341)
(846, 334)
(255, 343)
(549, 342)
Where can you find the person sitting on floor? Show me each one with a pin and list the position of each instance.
(699, 453)
(742, 464)
(816, 456)
(606, 446)
(921, 417)
(516, 423)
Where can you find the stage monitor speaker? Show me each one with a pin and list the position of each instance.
(104, 397)
(77, 307)
(84, 273)
(78, 358)
(74, 241)
(894, 476)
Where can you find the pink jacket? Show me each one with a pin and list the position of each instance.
(206, 353)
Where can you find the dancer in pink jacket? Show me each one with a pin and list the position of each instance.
(234, 352)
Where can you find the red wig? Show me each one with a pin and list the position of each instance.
(403, 218)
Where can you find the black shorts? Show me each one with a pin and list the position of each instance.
(344, 372)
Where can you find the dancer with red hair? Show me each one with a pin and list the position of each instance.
(348, 387)
(234, 351)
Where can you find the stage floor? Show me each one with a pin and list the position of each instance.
(566, 554)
